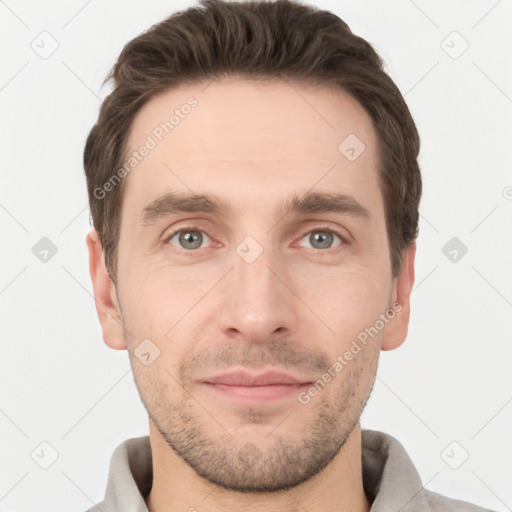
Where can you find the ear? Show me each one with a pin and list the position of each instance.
(105, 295)
(396, 330)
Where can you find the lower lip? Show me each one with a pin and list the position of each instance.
(257, 394)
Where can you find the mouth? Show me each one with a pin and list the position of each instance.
(245, 387)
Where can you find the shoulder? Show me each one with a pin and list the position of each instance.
(439, 503)
(392, 481)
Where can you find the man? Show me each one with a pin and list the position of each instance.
(254, 187)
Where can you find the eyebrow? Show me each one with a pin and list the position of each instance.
(310, 202)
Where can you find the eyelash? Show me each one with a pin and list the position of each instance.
(323, 229)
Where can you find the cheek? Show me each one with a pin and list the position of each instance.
(347, 302)
(159, 295)
(164, 306)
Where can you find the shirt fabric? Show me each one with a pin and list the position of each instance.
(390, 479)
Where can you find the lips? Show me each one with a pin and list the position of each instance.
(242, 378)
(246, 388)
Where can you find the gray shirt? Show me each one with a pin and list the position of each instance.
(390, 479)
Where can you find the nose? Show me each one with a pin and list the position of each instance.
(257, 299)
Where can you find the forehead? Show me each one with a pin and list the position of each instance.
(237, 137)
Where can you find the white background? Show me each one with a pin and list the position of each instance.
(450, 381)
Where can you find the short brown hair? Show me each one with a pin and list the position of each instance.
(258, 39)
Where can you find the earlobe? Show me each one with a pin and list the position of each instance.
(396, 331)
(105, 295)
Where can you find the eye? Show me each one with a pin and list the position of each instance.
(191, 238)
(322, 239)
(188, 238)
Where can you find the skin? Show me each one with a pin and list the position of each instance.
(293, 309)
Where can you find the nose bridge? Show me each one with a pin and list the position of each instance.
(254, 281)
(252, 269)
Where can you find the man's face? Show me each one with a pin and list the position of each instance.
(252, 288)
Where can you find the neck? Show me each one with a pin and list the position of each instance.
(176, 486)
